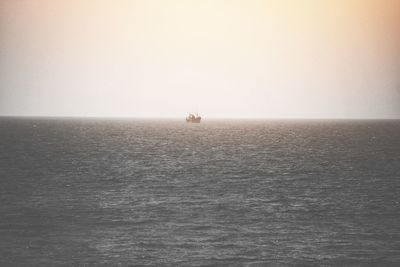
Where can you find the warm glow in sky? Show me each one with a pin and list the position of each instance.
(232, 58)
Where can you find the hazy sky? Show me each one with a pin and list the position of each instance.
(232, 58)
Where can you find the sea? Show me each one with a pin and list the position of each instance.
(148, 192)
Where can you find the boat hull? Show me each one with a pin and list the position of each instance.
(194, 120)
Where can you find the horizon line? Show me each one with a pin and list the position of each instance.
(182, 118)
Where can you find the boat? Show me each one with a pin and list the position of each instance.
(193, 118)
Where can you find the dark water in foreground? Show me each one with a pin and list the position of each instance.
(236, 193)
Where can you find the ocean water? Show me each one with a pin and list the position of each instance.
(96, 192)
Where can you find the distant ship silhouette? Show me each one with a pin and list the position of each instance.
(193, 118)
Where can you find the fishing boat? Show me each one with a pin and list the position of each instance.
(192, 118)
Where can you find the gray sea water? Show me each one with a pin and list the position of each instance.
(96, 192)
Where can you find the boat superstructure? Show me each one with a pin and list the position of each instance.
(193, 118)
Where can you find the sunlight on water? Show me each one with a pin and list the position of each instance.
(103, 192)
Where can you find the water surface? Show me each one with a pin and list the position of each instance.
(234, 193)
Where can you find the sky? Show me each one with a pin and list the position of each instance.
(223, 59)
